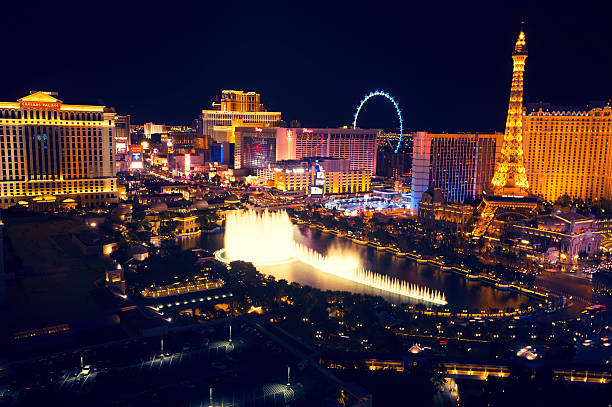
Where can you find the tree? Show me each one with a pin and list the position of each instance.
(246, 270)
(564, 200)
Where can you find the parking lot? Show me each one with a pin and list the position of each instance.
(249, 370)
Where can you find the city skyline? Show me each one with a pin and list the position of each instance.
(448, 73)
(209, 204)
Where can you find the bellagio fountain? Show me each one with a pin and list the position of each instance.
(266, 238)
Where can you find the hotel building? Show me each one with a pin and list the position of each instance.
(236, 108)
(319, 176)
(151, 128)
(559, 237)
(568, 151)
(461, 165)
(357, 145)
(258, 147)
(55, 154)
(122, 142)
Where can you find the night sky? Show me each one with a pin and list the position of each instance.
(447, 63)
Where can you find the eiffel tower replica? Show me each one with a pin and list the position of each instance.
(508, 197)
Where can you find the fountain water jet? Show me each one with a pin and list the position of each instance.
(262, 238)
(266, 238)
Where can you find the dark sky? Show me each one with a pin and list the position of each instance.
(447, 63)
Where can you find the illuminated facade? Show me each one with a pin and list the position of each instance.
(236, 108)
(182, 141)
(510, 177)
(569, 151)
(563, 237)
(461, 165)
(258, 147)
(186, 225)
(320, 176)
(122, 133)
(122, 142)
(240, 101)
(451, 215)
(151, 128)
(53, 153)
(357, 145)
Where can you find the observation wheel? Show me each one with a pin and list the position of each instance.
(397, 109)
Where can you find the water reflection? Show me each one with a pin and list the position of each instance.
(459, 291)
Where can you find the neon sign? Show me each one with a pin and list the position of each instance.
(51, 105)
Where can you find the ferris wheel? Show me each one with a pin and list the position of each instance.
(387, 96)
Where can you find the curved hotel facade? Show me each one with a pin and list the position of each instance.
(53, 153)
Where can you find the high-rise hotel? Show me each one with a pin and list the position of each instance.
(54, 154)
(236, 108)
(568, 151)
(357, 145)
(460, 164)
(257, 147)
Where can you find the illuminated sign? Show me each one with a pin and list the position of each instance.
(258, 129)
(316, 191)
(307, 130)
(121, 147)
(49, 105)
(136, 165)
(319, 175)
(187, 163)
(135, 148)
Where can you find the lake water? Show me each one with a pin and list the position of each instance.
(459, 291)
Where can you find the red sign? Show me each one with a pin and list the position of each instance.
(136, 148)
(50, 105)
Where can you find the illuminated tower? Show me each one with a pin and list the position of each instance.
(510, 177)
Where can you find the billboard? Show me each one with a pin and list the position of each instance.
(316, 191)
(258, 152)
(319, 175)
